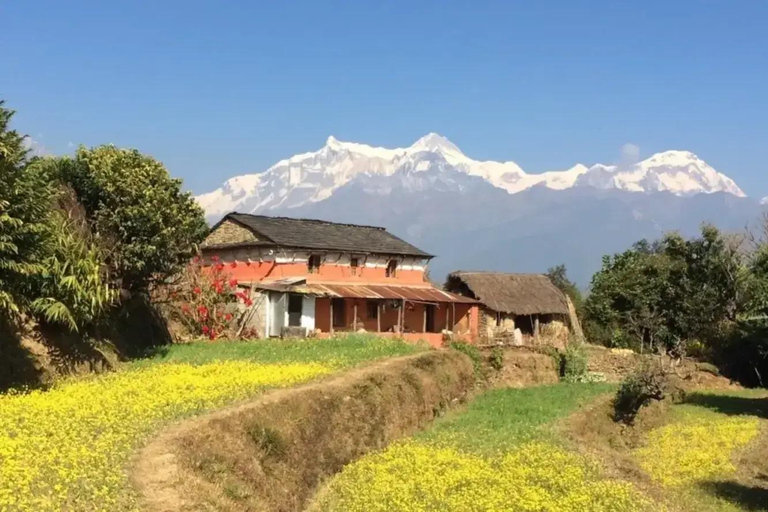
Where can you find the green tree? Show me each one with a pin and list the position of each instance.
(559, 277)
(626, 306)
(150, 225)
(26, 195)
(73, 288)
(666, 293)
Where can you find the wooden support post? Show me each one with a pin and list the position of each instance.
(402, 324)
(424, 323)
(536, 328)
(453, 316)
(354, 320)
(446, 317)
(378, 316)
(330, 308)
(399, 314)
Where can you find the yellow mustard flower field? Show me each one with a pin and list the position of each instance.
(67, 448)
(501, 454)
(695, 458)
(418, 477)
(696, 449)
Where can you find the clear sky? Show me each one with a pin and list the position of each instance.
(216, 89)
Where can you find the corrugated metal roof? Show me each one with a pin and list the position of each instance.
(370, 291)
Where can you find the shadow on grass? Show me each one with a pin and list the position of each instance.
(732, 405)
(746, 497)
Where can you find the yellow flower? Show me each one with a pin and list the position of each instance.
(66, 448)
(416, 477)
(695, 449)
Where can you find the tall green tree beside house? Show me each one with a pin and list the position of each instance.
(149, 225)
(559, 277)
(26, 196)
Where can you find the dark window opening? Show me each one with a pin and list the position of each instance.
(313, 263)
(295, 303)
(354, 264)
(392, 268)
(339, 312)
(373, 309)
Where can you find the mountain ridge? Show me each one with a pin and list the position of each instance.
(315, 176)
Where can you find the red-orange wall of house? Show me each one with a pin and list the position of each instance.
(465, 325)
(257, 271)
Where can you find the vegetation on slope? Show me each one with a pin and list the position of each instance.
(706, 296)
(66, 448)
(500, 454)
(696, 458)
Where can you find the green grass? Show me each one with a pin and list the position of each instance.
(500, 419)
(340, 352)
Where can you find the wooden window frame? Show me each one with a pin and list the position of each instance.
(392, 265)
(313, 268)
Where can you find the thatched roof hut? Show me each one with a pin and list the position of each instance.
(515, 294)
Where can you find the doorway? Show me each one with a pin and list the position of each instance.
(339, 313)
(430, 312)
(294, 310)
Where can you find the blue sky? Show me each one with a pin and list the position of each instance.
(215, 89)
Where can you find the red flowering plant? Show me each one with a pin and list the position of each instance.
(206, 299)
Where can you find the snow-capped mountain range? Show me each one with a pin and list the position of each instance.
(313, 177)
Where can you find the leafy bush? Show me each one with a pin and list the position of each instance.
(131, 200)
(206, 298)
(26, 195)
(73, 287)
(574, 362)
(741, 353)
(472, 352)
(496, 359)
(649, 382)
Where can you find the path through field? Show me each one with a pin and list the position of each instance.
(67, 448)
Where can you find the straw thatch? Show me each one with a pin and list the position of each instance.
(516, 294)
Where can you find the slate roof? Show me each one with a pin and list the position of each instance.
(517, 294)
(323, 235)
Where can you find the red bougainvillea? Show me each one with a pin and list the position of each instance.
(206, 300)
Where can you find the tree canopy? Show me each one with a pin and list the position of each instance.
(150, 225)
(26, 197)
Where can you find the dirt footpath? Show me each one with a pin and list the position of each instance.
(272, 453)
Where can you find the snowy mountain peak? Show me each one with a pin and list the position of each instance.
(434, 142)
(312, 177)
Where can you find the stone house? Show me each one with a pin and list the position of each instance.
(528, 303)
(314, 277)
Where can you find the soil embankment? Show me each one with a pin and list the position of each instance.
(271, 454)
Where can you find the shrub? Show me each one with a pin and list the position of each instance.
(26, 194)
(472, 352)
(73, 286)
(649, 382)
(205, 299)
(496, 360)
(130, 199)
(574, 362)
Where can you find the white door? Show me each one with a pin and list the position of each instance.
(278, 302)
(308, 313)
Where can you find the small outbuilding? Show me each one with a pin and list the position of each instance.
(528, 303)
